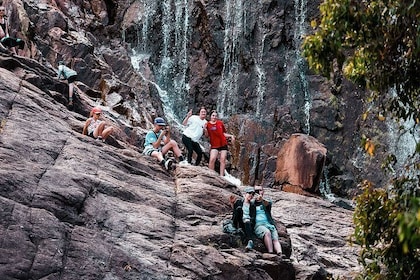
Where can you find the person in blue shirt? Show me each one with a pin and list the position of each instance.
(258, 211)
(70, 75)
(158, 142)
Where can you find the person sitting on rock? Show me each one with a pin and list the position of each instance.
(238, 219)
(258, 211)
(158, 142)
(5, 40)
(70, 75)
(95, 127)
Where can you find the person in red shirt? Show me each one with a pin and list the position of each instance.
(216, 131)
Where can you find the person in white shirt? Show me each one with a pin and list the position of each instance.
(194, 130)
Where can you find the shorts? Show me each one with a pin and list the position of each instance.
(261, 230)
(149, 150)
(71, 79)
(223, 148)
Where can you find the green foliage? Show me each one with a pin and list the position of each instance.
(376, 44)
(387, 226)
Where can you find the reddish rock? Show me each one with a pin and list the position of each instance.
(300, 162)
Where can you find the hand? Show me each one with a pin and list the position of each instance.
(189, 114)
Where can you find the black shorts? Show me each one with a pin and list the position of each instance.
(71, 79)
(223, 148)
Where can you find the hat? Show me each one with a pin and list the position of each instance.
(96, 110)
(249, 190)
(160, 121)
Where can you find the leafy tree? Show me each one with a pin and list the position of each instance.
(376, 44)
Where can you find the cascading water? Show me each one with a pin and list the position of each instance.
(234, 28)
(261, 82)
(171, 70)
(297, 83)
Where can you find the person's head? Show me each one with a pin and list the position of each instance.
(249, 191)
(96, 112)
(159, 123)
(213, 116)
(2, 11)
(259, 193)
(203, 113)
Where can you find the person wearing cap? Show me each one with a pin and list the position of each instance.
(95, 127)
(215, 130)
(240, 220)
(192, 134)
(158, 142)
(258, 212)
(70, 75)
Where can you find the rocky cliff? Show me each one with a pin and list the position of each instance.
(74, 208)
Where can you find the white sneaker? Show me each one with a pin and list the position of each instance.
(168, 164)
(184, 162)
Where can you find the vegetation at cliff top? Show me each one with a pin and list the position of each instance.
(376, 44)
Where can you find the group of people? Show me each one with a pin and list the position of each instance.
(252, 214)
(158, 141)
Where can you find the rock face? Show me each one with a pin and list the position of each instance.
(239, 57)
(300, 162)
(75, 208)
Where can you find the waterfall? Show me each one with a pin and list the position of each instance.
(261, 82)
(234, 28)
(402, 141)
(171, 71)
(297, 83)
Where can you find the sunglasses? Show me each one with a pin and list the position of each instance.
(97, 114)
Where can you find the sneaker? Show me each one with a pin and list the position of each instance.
(250, 245)
(168, 164)
(184, 162)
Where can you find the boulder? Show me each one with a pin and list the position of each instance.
(300, 163)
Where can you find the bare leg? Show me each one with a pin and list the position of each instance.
(223, 155)
(277, 247)
(107, 131)
(98, 130)
(213, 157)
(71, 88)
(268, 242)
(157, 155)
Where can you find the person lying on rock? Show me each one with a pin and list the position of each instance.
(5, 40)
(70, 75)
(95, 127)
(258, 211)
(158, 142)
